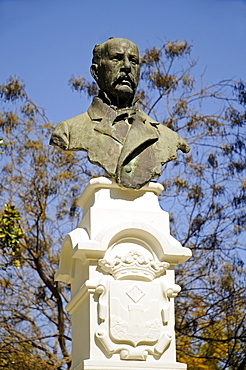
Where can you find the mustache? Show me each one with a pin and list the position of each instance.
(125, 77)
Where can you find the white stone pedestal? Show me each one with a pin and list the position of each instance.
(120, 263)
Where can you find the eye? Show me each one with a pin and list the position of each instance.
(134, 60)
(117, 58)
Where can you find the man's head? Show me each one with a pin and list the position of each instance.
(115, 67)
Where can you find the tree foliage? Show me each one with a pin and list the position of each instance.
(10, 235)
(204, 194)
(38, 185)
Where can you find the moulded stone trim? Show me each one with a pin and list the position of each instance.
(66, 264)
(167, 249)
(87, 288)
(127, 365)
(104, 182)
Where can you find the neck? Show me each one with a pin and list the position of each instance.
(118, 101)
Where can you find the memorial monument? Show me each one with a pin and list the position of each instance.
(120, 259)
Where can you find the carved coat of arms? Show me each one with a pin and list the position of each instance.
(134, 304)
(134, 312)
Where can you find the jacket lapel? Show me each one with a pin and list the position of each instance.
(103, 116)
(137, 153)
(140, 136)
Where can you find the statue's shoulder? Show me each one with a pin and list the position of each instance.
(77, 120)
(68, 132)
(148, 119)
(167, 137)
(172, 139)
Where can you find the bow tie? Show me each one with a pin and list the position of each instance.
(130, 114)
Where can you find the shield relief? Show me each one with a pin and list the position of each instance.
(134, 312)
(134, 303)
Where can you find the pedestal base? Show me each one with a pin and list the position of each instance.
(130, 365)
(120, 263)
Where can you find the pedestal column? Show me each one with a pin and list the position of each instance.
(120, 263)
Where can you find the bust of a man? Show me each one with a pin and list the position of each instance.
(115, 132)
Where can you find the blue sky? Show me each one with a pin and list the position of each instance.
(44, 42)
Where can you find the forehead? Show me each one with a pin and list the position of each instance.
(120, 46)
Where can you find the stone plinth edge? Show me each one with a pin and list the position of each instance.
(103, 182)
(96, 365)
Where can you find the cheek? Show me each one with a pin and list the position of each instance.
(136, 73)
(112, 73)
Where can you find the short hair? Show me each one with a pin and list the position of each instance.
(97, 51)
(97, 54)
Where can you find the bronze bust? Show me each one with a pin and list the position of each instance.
(115, 132)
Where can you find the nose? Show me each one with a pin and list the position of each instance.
(126, 64)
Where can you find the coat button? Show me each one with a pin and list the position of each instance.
(128, 169)
(110, 152)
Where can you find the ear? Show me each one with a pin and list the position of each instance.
(94, 71)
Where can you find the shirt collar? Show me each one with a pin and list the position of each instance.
(101, 107)
(100, 110)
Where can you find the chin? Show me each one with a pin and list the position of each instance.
(125, 91)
